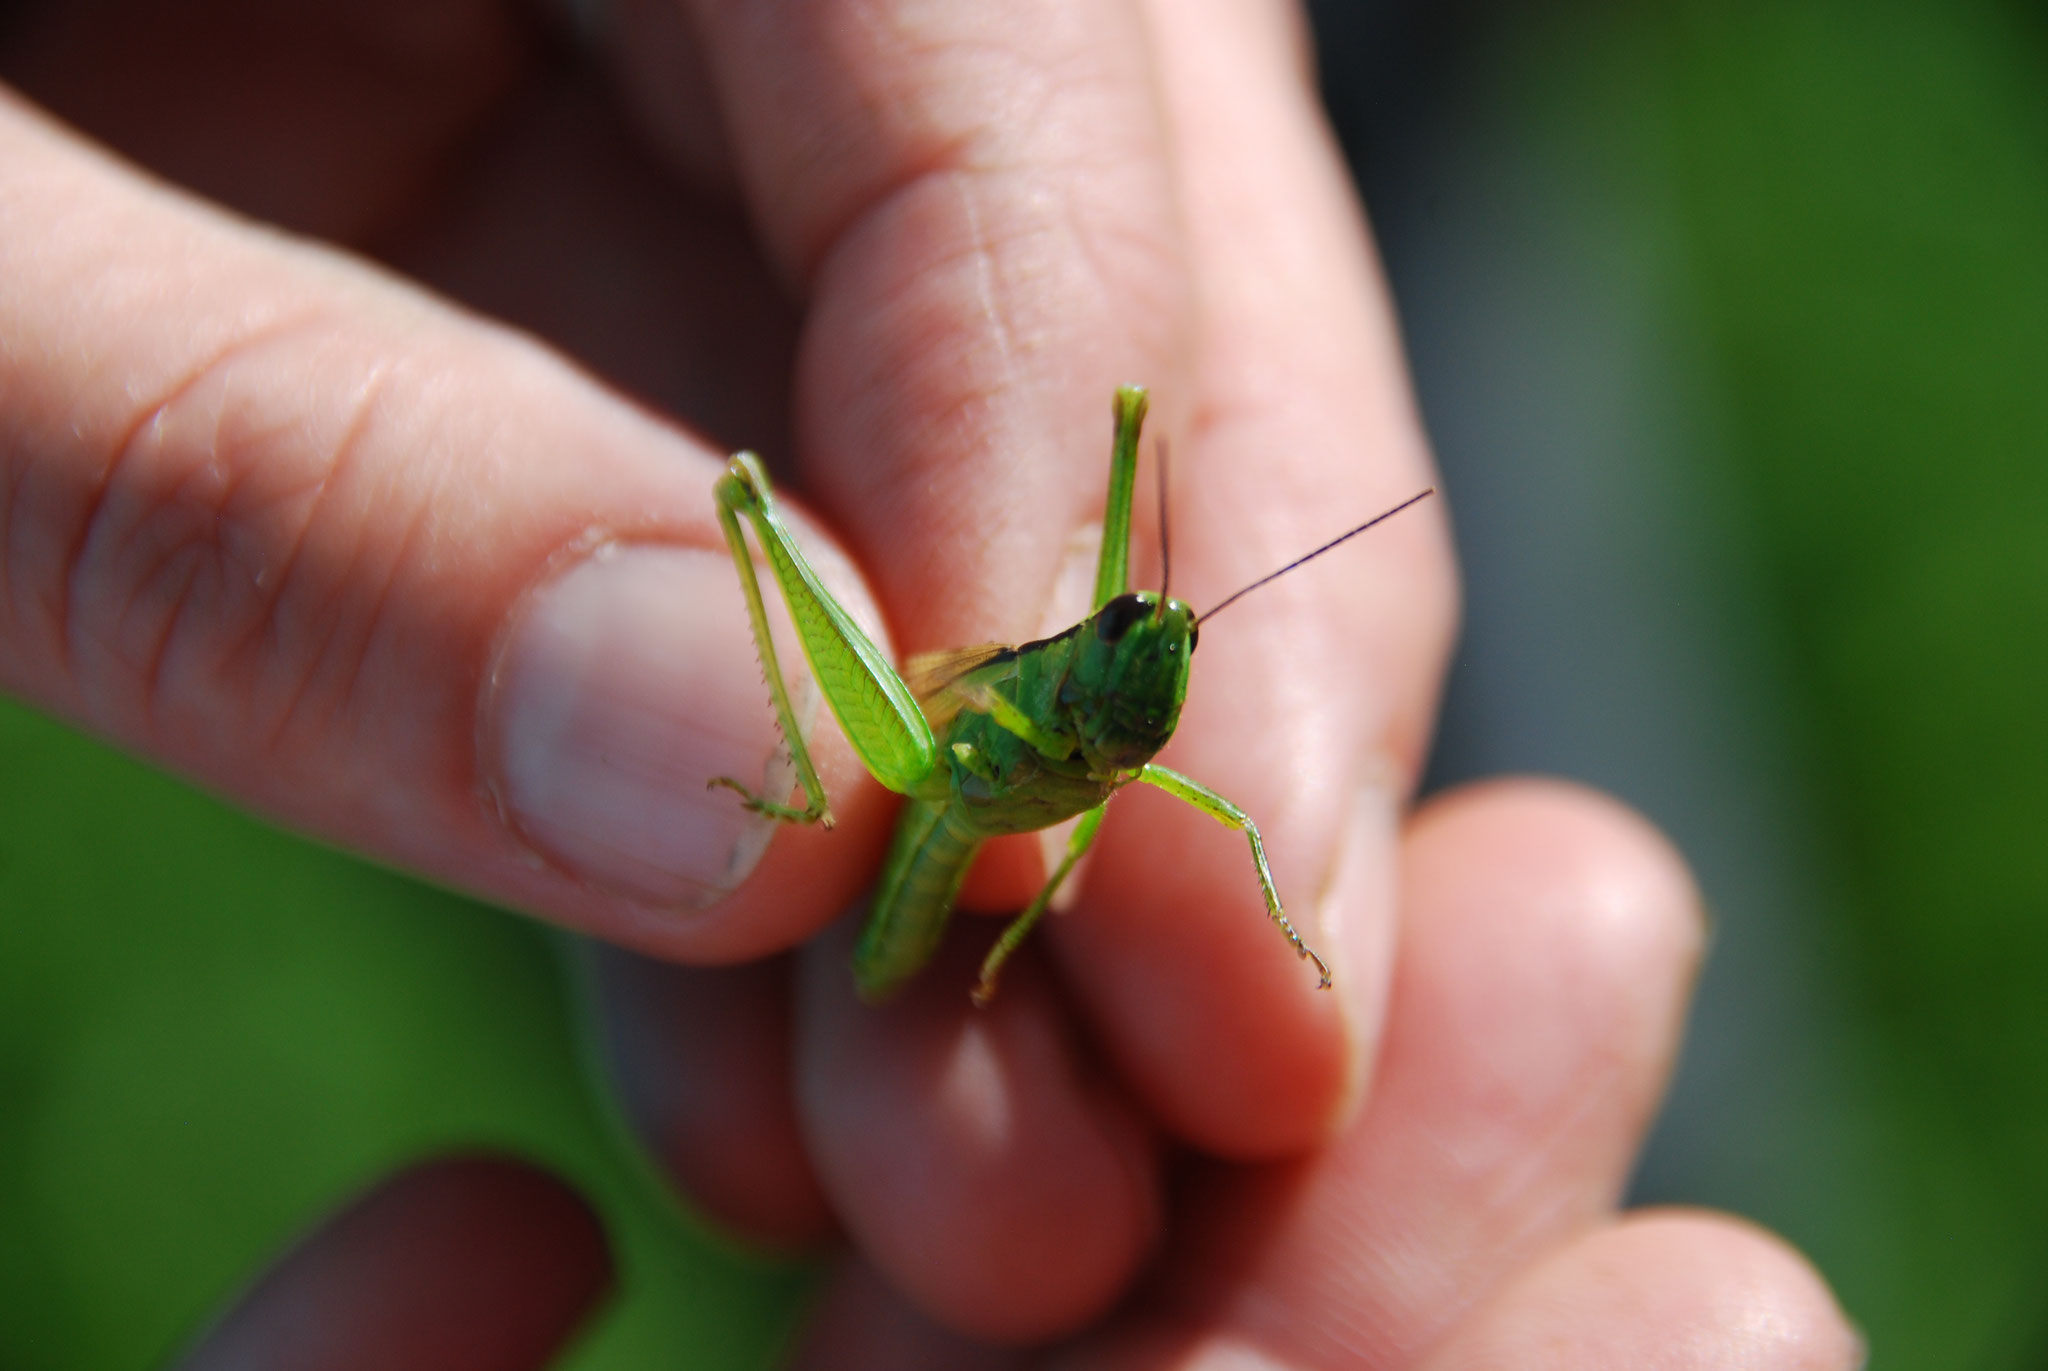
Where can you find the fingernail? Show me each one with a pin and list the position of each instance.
(1356, 914)
(626, 683)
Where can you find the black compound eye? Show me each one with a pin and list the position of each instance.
(1194, 638)
(1114, 619)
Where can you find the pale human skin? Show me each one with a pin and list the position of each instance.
(403, 579)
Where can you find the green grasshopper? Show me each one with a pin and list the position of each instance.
(994, 739)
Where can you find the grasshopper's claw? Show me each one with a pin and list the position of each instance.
(761, 804)
(984, 991)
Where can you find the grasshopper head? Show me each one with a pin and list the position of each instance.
(1131, 677)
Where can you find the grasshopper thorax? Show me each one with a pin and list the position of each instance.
(1129, 677)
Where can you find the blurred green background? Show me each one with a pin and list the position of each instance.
(1730, 322)
(211, 1034)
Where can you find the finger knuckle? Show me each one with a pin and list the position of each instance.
(205, 587)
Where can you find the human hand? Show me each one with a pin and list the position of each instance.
(326, 546)
(1465, 1220)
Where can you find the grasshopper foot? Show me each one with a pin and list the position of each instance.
(761, 804)
(984, 991)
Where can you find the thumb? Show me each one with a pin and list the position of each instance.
(381, 570)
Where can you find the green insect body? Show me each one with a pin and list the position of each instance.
(989, 740)
(1100, 700)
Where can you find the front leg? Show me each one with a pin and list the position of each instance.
(1048, 743)
(1230, 816)
(816, 808)
(873, 706)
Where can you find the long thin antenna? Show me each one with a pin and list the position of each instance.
(1310, 557)
(1165, 543)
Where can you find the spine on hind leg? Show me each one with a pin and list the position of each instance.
(927, 863)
